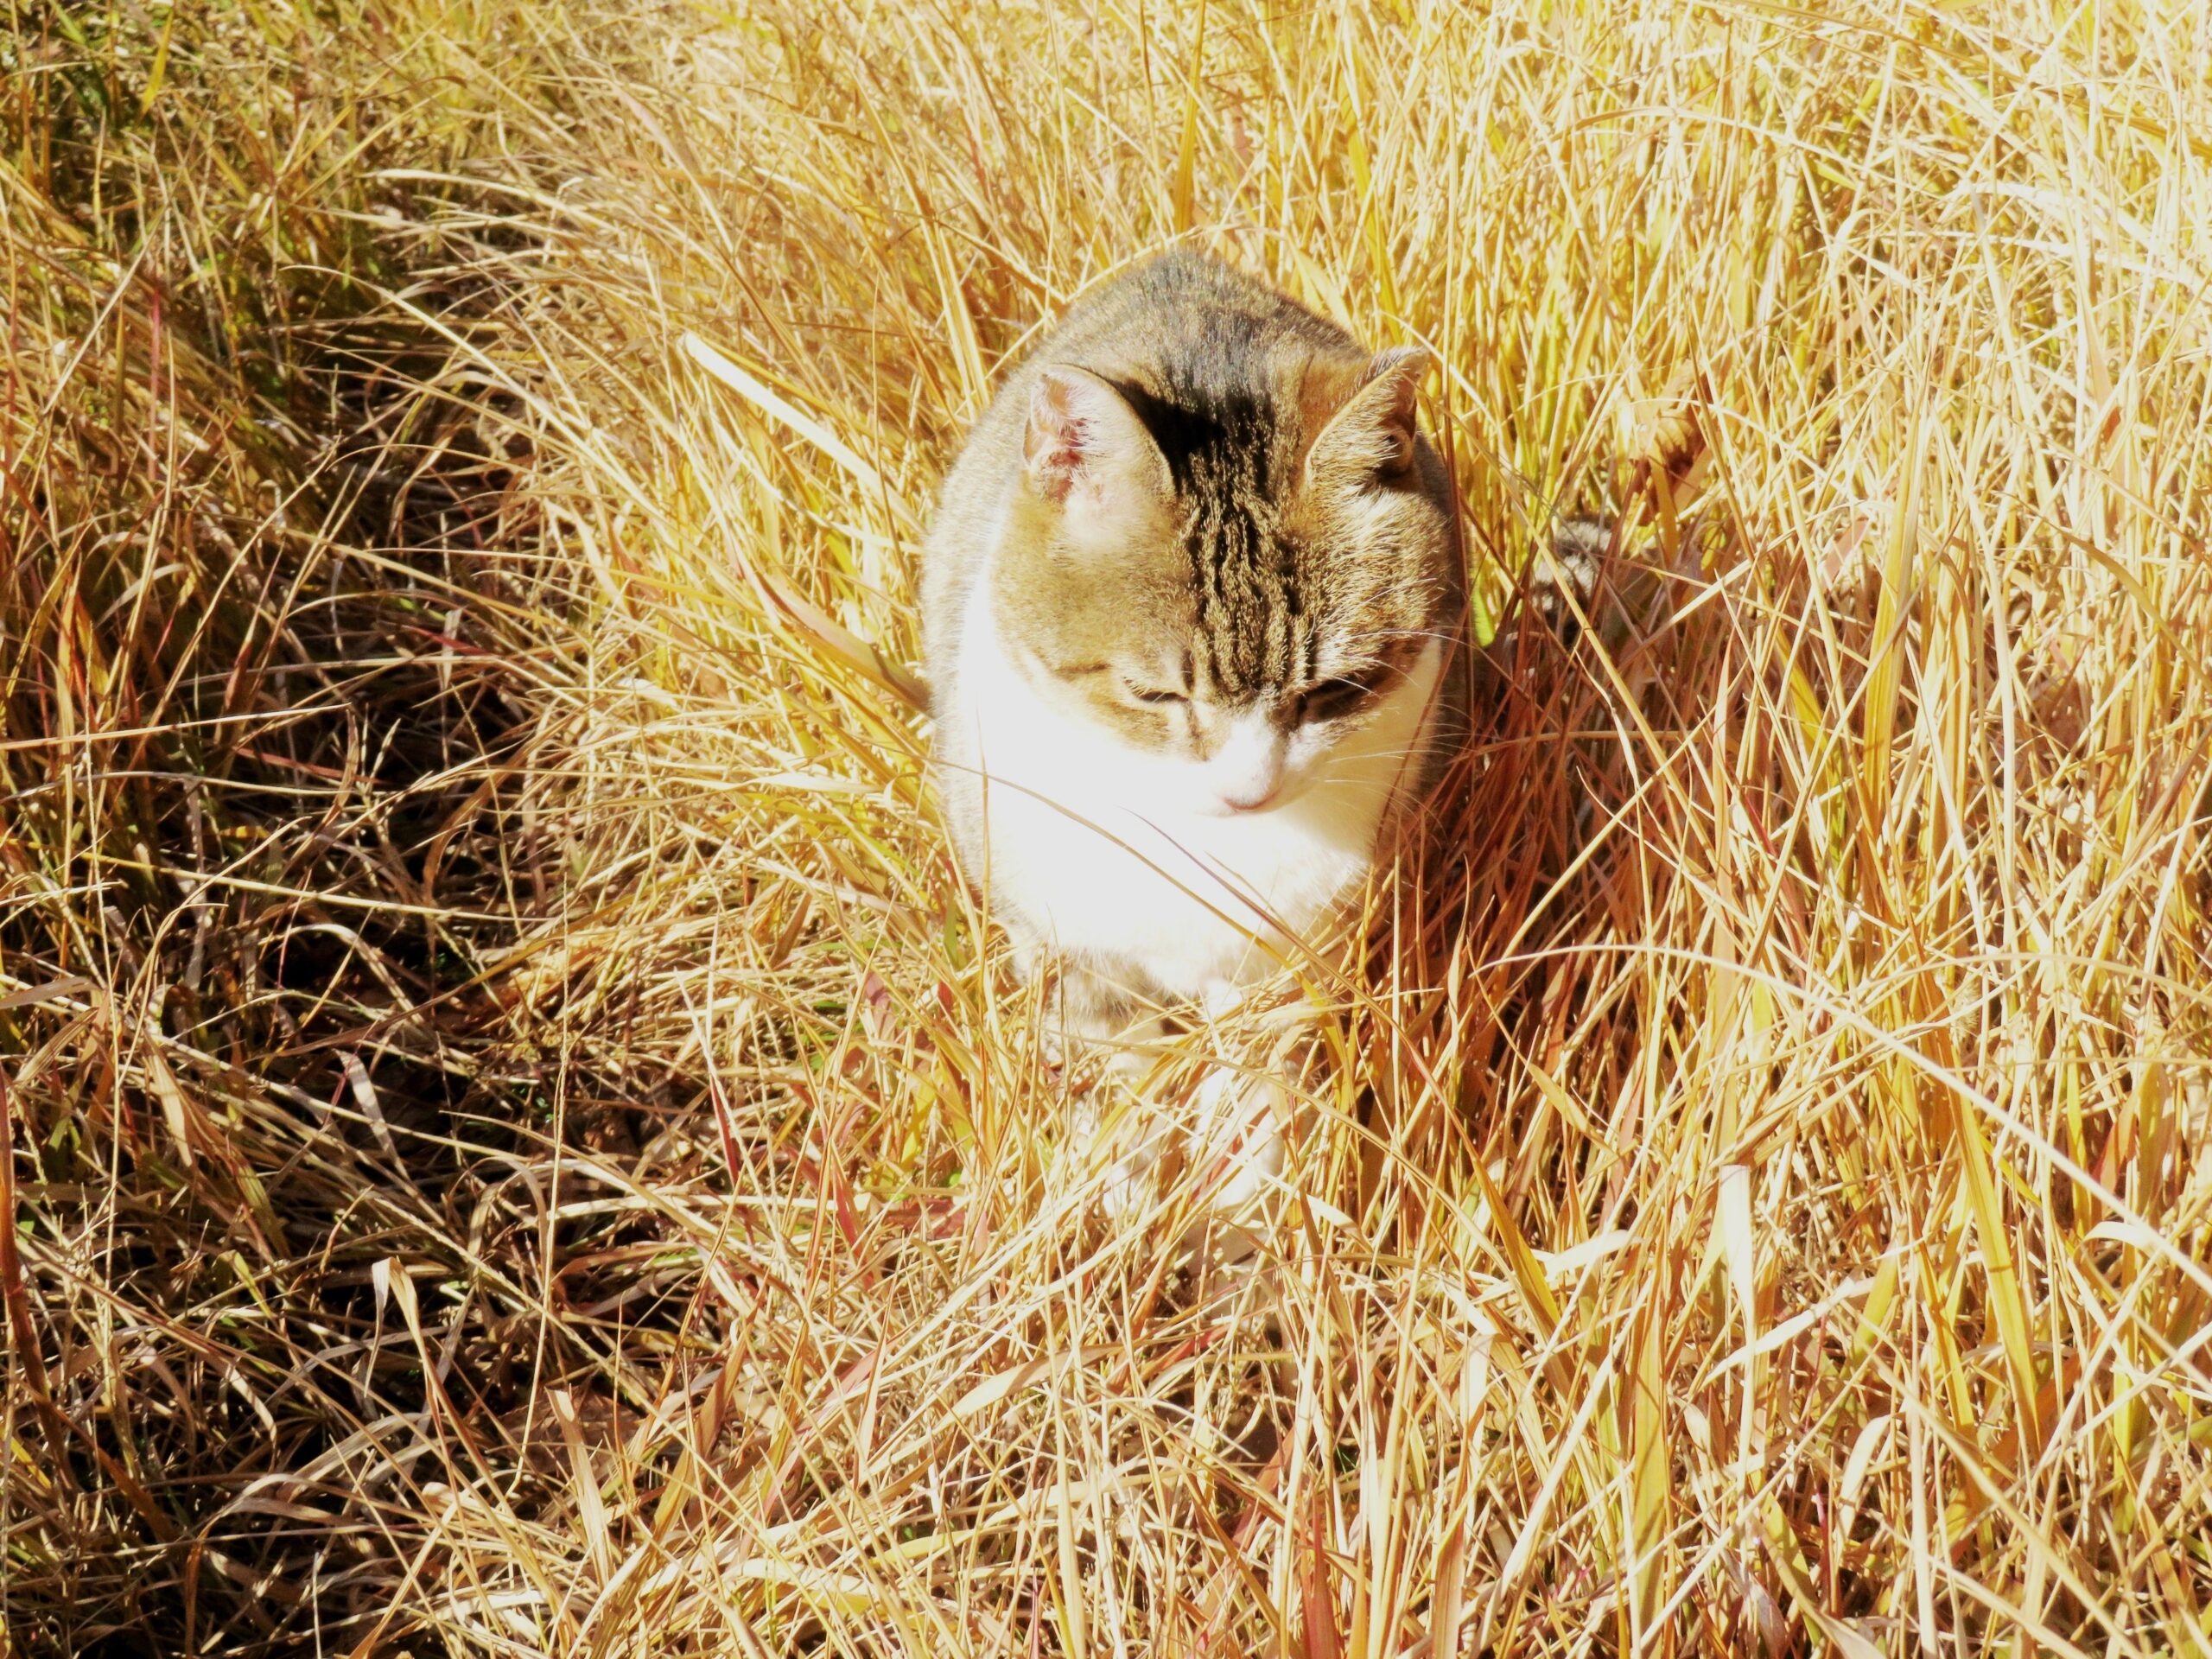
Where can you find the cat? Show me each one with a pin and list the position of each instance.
(1192, 602)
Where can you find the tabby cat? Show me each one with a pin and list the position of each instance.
(1191, 602)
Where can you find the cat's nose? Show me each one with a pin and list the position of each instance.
(1247, 772)
(1251, 795)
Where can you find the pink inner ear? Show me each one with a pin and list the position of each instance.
(1058, 439)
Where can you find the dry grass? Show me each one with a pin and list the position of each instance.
(520, 1142)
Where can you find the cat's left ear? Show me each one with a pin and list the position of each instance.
(1370, 439)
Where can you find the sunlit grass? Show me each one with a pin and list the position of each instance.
(521, 1140)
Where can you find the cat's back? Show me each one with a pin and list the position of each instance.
(1180, 311)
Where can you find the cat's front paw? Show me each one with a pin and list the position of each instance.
(1238, 1147)
(1231, 1154)
(1125, 1188)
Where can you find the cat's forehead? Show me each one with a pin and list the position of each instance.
(1224, 443)
(1240, 415)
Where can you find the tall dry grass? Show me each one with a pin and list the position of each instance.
(520, 1142)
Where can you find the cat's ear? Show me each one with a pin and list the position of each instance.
(1085, 442)
(1370, 439)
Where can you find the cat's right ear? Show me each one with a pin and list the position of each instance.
(1371, 437)
(1086, 445)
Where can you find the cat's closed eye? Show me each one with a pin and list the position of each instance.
(1154, 695)
(1335, 698)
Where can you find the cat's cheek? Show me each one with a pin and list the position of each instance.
(1305, 759)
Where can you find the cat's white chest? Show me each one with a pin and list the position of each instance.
(1115, 854)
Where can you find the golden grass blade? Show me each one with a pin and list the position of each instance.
(1651, 1483)
(1886, 677)
(1181, 198)
(2007, 1298)
(789, 416)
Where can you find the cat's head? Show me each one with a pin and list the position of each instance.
(1235, 576)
